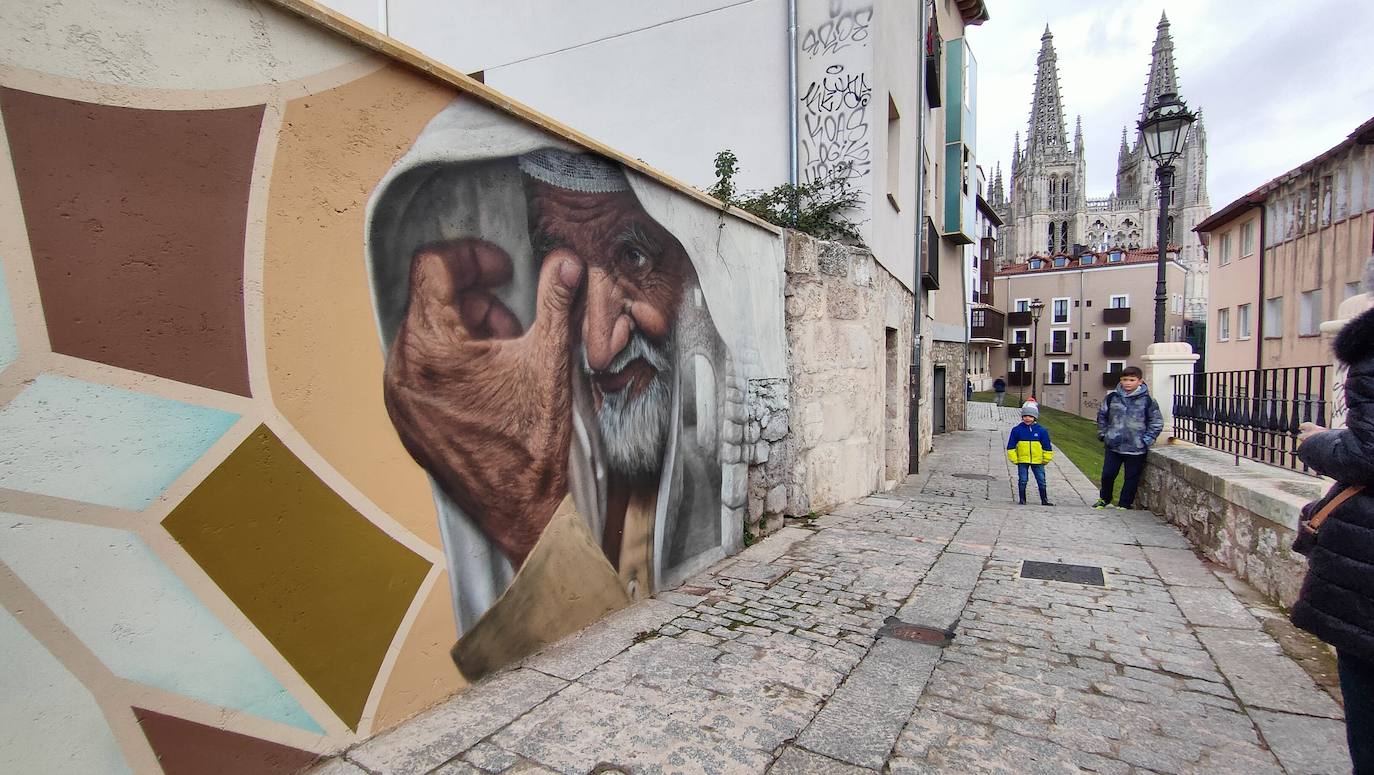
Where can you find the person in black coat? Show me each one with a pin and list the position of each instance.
(1337, 599)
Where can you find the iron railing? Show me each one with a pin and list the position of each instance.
(1253, 413)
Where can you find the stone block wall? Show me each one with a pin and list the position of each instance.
(838, 430)
(952, 357)
(1241, 516)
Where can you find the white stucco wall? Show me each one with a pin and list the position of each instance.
(671, 84)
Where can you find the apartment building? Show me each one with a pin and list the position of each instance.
(1097, 318)
(986, 322)
(1284, 256)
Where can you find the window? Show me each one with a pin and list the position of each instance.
(1224, 325)
(1273, 317)
(1036, 263)
(1224, 249)
(1176, 302)
(1326, 201)
(1020, 335)
(1087, 258)
(1116, 334)
(1243, 321)
(1115, 367)
(979, 318)
(1311, 313)
(1060, 311)
(1119, 301)
(1018, 365)
(1115, 257)
(1059, 340)
(1061, 261)
(894, 153)
(1022, 305)
(1247, 239)
(1352, 289)
(1059, 373)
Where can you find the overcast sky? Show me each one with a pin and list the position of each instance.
(1278, 81)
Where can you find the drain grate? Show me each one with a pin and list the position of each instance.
(1058, 571)
(917, 633)
(979, 477)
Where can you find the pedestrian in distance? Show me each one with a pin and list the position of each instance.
(968, 390)
(1336, 602)
(1128, 422)
(1029, 448)
(999, 386)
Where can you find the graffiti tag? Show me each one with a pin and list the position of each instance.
(841, 30)
(835, 128)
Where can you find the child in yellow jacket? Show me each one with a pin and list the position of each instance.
(1029, 448)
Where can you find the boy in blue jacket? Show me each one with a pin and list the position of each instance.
(1029, 448)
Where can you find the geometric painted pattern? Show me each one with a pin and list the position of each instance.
(327, 587)
(137, 616)
(187, 748)
(9, 339)
(136, 221)
(72, 439)
(49, 722)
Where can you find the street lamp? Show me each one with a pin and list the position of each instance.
(1021, 353)
(1036, 307)
(1165, 129)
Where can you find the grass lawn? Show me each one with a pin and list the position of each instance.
(1076, 437)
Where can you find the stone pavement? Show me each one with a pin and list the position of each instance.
(777, 659)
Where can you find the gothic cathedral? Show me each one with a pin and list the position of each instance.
(1047, 211)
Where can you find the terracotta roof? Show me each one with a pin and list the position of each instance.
(1363, 135)
(1135, 256)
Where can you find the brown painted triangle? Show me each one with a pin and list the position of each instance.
(188, 748)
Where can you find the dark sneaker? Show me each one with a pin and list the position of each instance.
(1046, 503)
(1101, 504)
(1022, 502)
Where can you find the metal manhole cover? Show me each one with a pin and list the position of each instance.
(980, 477)
(917, 633)
(1058, 571)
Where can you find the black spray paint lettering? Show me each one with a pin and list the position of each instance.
(835, 125)
(841, 30)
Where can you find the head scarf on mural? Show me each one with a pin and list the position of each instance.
(552, 364)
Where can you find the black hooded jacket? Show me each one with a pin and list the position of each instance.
(1337, 599)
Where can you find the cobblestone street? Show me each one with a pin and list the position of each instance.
(776, 659)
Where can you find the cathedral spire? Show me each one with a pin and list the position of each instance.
(1046, 130)
(1078, 137)
(1162, 78)
(1125, 145)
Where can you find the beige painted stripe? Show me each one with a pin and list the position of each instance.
(185, 99)
(400, 52)
(140, 382)
(107, 688)
(255, 251)
(17, 258)
(374, 698)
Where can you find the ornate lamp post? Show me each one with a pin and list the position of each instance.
(1021, 353)
(1165, 129)
(1036, 308)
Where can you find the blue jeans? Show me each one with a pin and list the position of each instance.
(1023, 471)
(1357, 689)
(1111, 465)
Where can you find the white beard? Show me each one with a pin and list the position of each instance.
(634, 428)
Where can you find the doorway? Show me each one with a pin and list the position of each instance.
(938, 408)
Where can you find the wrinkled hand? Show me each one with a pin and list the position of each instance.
(1307, 430)
(483, 407)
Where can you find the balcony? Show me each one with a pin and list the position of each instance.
(1116, 315)
(1116, 348)
(1110, 378)
(1019, 319)
(988, 324)
(1019, 379)
(1060, 348)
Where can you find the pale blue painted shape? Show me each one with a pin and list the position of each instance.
(9, 336)
(138, 617)
(98, 444)
(49, 721)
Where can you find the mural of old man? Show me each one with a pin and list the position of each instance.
(553, 366)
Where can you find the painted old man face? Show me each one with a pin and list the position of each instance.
(485, 404)
(635, 276)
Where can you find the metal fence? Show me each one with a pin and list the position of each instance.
(1253, 413)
